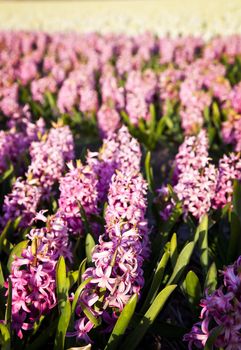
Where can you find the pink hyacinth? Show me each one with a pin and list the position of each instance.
(231, 130)
(221, 308)
(78, 187)
(119, 256)
(108, 120)
(229, 169)
(33, 274)
(22, 201)
(47, 165)
(119, 152)
(194, 178)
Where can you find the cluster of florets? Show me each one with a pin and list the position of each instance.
(194, 179)
(221, 311)
(33, 274)
(120, 253)
(78, 191)
(119, 152)
(47, 165)
(229, 169)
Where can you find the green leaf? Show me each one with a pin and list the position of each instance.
(96, 321)
(1, 277)
(5, 338)
(76, 298)
(152, 122)
(62, 326)
(182, 261)
(61, 284)
(7, 173)
(202, 236)
(173, 249)
(89, 245)
(122, 324)
(234, 247)
(148, 170)
(8, 312)
(84, 218)
(16, 251)
(72, 278)
(82, 269)
(156, 282)
(147, 320)
(211, 278)
(193, 288)
(4, 233)
(215, 332)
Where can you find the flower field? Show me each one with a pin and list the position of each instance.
(120, 193)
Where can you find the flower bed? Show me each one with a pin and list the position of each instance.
(120, 169)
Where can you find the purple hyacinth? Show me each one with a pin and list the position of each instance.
(78, 187)
(119, 152)
(33, 274)
(229, 169)
(119, 256)
(22, 201)
(221, 308)
(194, 178)
(48, 158)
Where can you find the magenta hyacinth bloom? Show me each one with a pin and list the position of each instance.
(120, 152)
(78, 187)
(229, 169)
(33, 274)
(48, 159)
(221, 308)
(119, 256)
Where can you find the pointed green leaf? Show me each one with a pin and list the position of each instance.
(61, 283)
(182, 261)
(202, 236)
(148, 170)
(7, 173)
(234, 247)
(5, 339)
(16, 251)
(72, 278)
(173, 249)
(8, 312)
(147, 320)
(62, 326)
(211, 278)
(1, 277)
(96, 321)
(4, 234)
(82, 269)
(193, 288)
(89, 245)
(122, 324)
(156, 282)
(76, 298)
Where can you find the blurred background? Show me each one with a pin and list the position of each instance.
(198, 17)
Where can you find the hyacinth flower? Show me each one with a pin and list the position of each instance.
(220, 311)
(119, 152)
(78, 188)
(48, 158)
(108, 120)
(118, 258)
(231, 130)
(229, 169)
(194, 178)
(33, 273)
